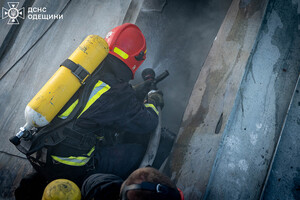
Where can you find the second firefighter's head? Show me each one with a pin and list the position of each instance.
(147, 184)
(61, 189)
(127, 43)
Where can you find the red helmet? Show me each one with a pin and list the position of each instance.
(127, 43)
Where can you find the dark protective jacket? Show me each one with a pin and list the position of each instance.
(112, 107)
(119, 108)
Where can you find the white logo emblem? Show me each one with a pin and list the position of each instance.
(108, 35)
(13, 13)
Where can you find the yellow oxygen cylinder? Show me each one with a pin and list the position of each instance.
(64, 83)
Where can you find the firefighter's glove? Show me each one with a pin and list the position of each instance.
(156, 97)
(141, 90)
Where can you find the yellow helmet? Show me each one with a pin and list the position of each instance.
(61, 189)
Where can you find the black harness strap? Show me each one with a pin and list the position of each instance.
(80, 72)
(42, 138)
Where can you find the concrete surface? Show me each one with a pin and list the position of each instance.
(7, 32)
(284, 179)
(257, 117)
(12, 170)
(213, 97)
(33, 29)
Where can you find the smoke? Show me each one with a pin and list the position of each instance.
(178, 40)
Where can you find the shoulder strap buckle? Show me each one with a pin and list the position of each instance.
(80, 72)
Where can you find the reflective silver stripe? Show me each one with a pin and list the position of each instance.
(95, 94)
(99, 89)
(98, 86)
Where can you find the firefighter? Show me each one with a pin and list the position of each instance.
(91, 140)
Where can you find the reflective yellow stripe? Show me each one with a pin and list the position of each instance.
(121, 53)
(100, 137)
(65, 114)
(91, 151)
(74, 161)
(148, 105)
(99, 89)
